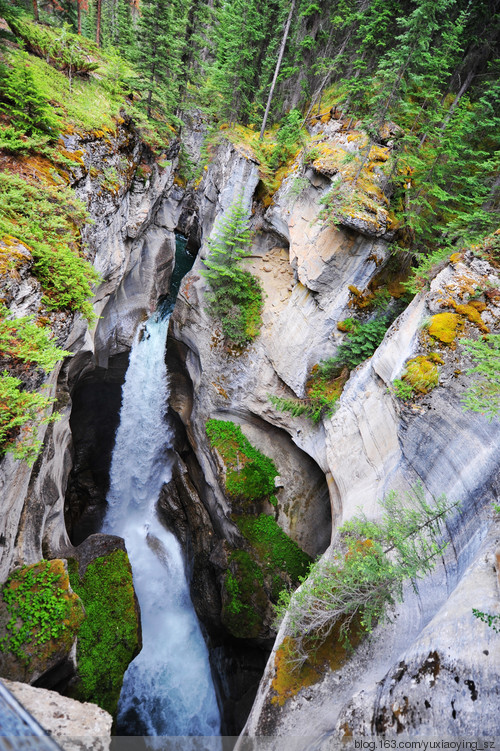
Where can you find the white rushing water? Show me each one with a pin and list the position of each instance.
(167, 689)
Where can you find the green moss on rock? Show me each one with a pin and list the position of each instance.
(422, 373)
(39, 619)
(249, 473)
(244, 599)
(110, 636)
(276, 551)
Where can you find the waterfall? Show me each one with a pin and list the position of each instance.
(167, 689)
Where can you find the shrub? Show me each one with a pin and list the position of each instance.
(365, 573)
(47, 220)
(491, 619)
(288, 138)
(20, 414)
(484, 396)
(235, 295)
(361, 342)
(274, 547)
(323, 393)
(22, 339)
(245, 601)
(64, 50)
(402, 390)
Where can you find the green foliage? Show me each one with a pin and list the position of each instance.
(235, 295)
(47, 220)
(38, 607)
(365, 573)
(23, 340)
(491, 620)
(275, 549)
(109, 637)
(158, 58)
(361, 342)
(402, 389)
(323, 392)
(243, 584)
(249, 473)
(28, 109)
(64, 50)
(20, 414)
(288, 138)
(484, 396)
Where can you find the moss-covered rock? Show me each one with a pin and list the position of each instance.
(248, 474)
(422, 373)
(244, 603)
(443, 327)
(256, 576)
(39, 618)
(110, 636)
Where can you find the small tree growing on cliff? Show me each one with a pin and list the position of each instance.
(366, 572)
(484, 395)
(235, 295)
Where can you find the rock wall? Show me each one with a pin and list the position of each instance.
(69, 722)
(373, 443)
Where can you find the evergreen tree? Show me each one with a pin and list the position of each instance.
(161, 35)
(27, 108)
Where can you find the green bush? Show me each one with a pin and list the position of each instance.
(249, 473)
(47, 220)
(65, 51)
(28, 109)
(484, 396)
(235, 296)
(21, 412)
(244, 608)
(360, 344)
(288, 138)
(22, 339)
(323, 393)
(491, 619)
(275, 549)
(402, 390)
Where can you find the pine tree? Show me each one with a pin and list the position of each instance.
(235, 296)
(161, 35)
(27, 107)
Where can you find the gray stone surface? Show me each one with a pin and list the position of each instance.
(76, 726)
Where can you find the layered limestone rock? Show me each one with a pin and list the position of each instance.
(373, 443)
(123, 187)
(72, 724)
(420, 672)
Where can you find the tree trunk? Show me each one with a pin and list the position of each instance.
(277, 69)
(35, 10)
(79, 15)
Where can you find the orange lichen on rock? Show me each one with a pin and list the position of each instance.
(444, 327)
(471, 313)
(323, 654)
(330, 159)
(378, 153)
